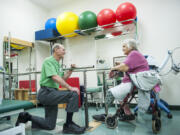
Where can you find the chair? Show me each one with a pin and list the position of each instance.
(93, 92)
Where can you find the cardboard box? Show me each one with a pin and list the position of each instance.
(23, 94)
(62, 105)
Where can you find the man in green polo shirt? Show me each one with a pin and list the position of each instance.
(51, 77)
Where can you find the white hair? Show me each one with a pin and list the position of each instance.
(56, 46)
(131, 43)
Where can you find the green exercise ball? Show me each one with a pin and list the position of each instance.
(87, 20)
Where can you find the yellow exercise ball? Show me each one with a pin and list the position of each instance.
(17, 46)
(66, 23)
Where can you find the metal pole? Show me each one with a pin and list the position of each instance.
(136, 30)
(104, 83)
(9, 53)
(4, 74)
(104, 90)
(51, 45)
(17, 69)
(85, 101)
(30, 89)
(35, 67)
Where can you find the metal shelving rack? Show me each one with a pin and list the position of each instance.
(107, 31)
(9, 75)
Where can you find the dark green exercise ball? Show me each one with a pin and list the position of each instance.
(87, 20)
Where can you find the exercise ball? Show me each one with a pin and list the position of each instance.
(87, 20)
(106, 16)
(136, 19)
(17, 46)
(117, 33)
(66, 23)
(126, 11)
(51, 24)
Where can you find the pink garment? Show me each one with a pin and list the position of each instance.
(136, 63)
(157, 88)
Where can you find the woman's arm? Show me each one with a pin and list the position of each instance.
(122, 67)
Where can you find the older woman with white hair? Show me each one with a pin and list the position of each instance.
(135, 62)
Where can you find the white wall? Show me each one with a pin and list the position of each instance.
(82, 54)
(158, 22)
(22, 18)
(42, 51)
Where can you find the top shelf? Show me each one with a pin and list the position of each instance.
(19, 42)
(117, 29)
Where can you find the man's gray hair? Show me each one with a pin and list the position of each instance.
(131, 43)
(56, 46)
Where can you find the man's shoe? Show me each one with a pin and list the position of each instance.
(100, 117)
(23, 118)
(73, 129)
(83, 128)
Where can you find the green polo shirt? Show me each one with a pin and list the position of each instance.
(50, 67)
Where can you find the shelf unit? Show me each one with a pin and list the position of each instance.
(10, 77)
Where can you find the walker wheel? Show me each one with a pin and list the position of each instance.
(156, 125)
(136, 114)
(8, 117)
(111, 121)
(169, 116)
(159, 113)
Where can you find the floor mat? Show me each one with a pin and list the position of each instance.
(93, 125)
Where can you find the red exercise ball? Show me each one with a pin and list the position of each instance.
(117, 33)
(126, 11)
(106, 16)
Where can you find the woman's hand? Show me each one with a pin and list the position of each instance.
(112, 74)
(117, 63)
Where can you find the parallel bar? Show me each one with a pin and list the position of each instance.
(74, 70)
(77, 68)
(93, 69)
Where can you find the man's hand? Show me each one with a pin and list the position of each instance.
(75, 89)
(73, 65)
